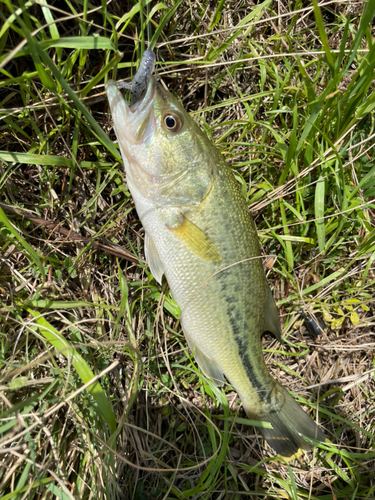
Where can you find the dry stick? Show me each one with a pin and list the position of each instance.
(70, 235)
(353, 379)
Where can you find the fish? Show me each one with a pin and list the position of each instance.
(200, 235)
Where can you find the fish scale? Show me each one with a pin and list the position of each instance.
(200, 235)
(231, 291)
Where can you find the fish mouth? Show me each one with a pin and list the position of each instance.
(133, 124)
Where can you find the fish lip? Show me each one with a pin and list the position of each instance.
(127, 119)
(147, 98)
(114, 94)
(145, 108)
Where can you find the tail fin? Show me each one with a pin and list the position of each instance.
(289, 426)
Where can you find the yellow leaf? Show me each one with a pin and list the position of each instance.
(327, 316)
(354, 318)
(336, 323)
(338, 310)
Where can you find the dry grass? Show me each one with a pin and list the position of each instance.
(155, 428)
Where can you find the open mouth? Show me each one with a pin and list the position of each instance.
(145, 99)
(144, 117)
(133, 124)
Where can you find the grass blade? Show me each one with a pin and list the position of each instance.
(33, 255)
(323, 35)
(84, 371)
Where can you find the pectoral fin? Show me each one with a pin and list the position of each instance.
(196, 240)
(271, 318)
(153, 259)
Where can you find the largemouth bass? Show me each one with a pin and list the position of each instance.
(200, 235)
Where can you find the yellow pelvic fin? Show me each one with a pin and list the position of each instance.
(196, 240)
(153, 259)
(271, 318)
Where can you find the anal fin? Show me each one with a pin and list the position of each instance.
(271, 318)
(206, 363)
(209, 367)
(153, 259)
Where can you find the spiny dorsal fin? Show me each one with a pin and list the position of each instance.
(196, 240)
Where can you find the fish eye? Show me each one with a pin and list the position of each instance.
(172, 122)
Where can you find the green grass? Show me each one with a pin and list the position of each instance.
(99, 396)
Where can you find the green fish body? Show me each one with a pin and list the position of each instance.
(200, 235)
